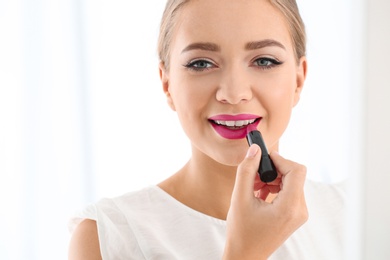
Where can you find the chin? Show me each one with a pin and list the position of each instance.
(231, 158)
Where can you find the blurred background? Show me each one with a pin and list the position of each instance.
(80, 95)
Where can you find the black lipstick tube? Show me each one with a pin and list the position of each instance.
(267, 170)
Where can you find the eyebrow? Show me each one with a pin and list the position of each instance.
(206, 46)
(262, 44)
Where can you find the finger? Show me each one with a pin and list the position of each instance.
(274, 189)
(246, 173)
(258, 185)
(294, 174)
(264, 193)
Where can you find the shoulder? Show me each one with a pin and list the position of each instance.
(109, 223)
(326, 196)
(322, 236)
(84, 243)
(326, 203)
(327, 207)
(115, 208)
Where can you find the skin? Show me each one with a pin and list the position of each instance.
(231, 79)
(231, 83)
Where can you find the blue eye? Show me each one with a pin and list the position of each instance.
(199, 65)
(266, 63)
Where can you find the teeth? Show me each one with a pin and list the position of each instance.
(242, 122)
(235, 123)
(230, 123)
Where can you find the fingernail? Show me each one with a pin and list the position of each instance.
(252, 151)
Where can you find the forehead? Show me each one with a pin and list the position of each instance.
(232, 22)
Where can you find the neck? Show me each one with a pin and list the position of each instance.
(204, 185)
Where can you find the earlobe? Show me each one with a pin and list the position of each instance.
(301, 77)
(164, 77)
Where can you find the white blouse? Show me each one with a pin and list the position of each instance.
(150, 224)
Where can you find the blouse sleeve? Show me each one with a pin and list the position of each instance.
(116, 238)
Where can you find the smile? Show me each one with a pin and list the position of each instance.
(233, 126)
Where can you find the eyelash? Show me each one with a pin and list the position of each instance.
(209, 65)
(192, 65)
(271, 63)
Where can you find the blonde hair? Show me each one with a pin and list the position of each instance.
(288, 8)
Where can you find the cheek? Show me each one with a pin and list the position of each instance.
(282, 100)
(279, 108)
(277, 99)
(190, 94)
(192, 99)
(277, 92)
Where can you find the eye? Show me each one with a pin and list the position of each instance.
(266, 63)
(199, 65)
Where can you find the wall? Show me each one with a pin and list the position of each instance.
(376, 231)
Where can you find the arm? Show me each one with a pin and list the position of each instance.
(84, 244)
(256, 228)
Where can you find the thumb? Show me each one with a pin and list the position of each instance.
(246, 173)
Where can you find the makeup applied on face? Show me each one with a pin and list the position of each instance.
(228, 72)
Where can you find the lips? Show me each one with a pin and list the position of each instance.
(234, 126)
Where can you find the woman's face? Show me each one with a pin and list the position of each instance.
(232, 64)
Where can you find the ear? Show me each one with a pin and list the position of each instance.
(164, 77)
(301, 77)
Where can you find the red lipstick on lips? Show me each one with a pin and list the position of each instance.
(234, 126)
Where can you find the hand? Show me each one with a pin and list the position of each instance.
(256, 228)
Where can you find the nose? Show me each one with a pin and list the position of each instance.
(234, 88)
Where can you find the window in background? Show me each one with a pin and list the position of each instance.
(44, 151)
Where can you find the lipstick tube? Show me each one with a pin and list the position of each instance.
(267, 170)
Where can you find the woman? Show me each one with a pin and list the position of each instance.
(226, 67)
